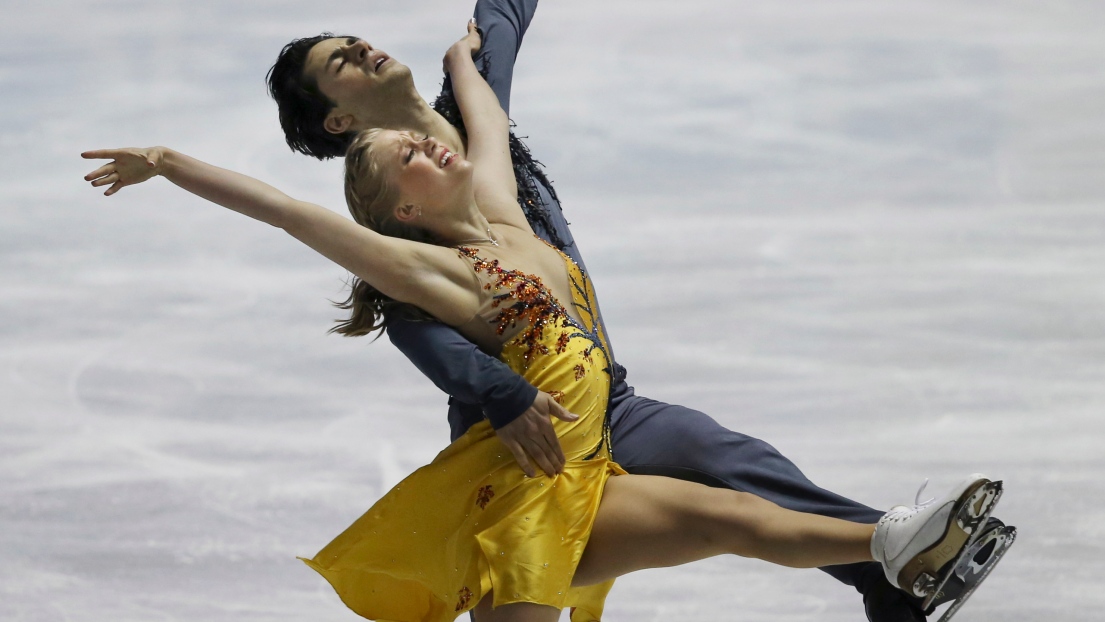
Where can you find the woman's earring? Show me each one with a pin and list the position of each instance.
(419, 210)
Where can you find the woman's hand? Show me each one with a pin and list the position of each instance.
(466, 48)
(127, 167)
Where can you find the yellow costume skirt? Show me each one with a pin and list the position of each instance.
(471, 523)
(411, 557)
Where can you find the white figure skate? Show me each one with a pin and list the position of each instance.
(915, 544)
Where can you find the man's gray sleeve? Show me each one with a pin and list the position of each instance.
(462, 370)
(502, 24)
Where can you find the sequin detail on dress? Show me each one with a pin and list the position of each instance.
(523, 299)
(464, 596)
(483, 497)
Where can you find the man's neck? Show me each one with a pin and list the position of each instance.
(431, 122)
(417, 116)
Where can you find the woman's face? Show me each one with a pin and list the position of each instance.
(426, 172)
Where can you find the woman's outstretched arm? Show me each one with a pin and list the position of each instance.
(428, 276)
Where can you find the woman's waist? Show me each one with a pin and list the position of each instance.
(578, 439)
(573, 371)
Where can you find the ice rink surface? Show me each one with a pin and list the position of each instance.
(871, 233)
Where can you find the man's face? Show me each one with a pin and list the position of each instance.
(353, 74)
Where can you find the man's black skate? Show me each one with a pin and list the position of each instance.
(972, 566)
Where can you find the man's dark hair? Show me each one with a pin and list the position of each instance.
(302, 106)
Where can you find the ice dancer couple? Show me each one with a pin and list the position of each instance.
(446, 203)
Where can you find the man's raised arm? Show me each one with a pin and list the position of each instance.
(502, 25)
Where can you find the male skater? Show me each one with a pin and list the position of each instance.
(328, 88)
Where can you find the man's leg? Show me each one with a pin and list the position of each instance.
(654, 438)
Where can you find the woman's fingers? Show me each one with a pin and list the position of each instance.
(105, 180)
(114, 188)
(473, 37)
(101, 154)
(100, 172)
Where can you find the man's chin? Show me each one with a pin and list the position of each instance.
(396, 78)
(393, 68)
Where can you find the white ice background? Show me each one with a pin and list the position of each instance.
(871, 233)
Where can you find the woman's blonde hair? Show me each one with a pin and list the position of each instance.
(372, 200)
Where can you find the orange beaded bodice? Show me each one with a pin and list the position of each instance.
(566, 358)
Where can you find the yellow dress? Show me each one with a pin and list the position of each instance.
(471, 522)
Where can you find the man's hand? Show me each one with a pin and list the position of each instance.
(531, 436)
(466, 48)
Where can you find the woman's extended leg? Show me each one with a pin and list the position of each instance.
(652, 522)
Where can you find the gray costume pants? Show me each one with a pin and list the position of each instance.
(654, 438)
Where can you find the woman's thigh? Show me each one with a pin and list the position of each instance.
(652, 522)
(642, 522)
(514, 612)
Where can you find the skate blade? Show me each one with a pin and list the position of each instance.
(969, 516)
(972, 564)
(1007, 536)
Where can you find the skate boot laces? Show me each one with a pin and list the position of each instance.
(900, 512)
